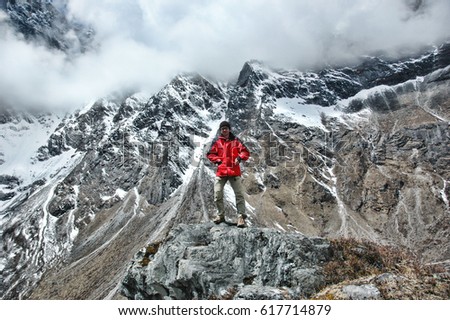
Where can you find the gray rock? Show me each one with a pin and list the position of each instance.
(6, 196)
(205, 261)
(251, 292)
(48, 23)
(362, 292)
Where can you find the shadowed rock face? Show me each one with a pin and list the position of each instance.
(47, 23)
(207, 261)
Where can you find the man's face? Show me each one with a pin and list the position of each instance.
(225, 131)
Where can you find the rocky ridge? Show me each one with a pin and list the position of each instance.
(207, 261)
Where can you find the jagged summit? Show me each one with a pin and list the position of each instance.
(252, 72)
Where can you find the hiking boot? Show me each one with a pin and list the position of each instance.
(219, 219)
(241, 222)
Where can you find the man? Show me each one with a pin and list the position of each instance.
(227, 151)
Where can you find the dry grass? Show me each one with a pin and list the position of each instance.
(150, 251)
(360, 262)
(354, 259)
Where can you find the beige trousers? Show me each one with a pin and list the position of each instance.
(236, 184)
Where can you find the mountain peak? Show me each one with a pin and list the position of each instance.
(252, 71)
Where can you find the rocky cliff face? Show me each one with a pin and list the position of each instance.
(46, 22)
(360, 151)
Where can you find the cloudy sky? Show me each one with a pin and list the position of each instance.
(144, 43)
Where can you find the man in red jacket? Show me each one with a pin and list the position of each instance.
(227, 151)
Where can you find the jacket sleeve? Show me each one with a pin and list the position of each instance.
(244, 154)
(213, 153)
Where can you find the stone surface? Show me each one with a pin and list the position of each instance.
(362, 292)
(391, 286)
(47, 23)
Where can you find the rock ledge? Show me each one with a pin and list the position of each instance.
(207, 261)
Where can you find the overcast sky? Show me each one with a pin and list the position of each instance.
(144, 43)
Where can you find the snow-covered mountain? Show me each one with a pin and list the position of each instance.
(359, 151)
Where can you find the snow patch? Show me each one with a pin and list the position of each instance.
(279, 226)
(444, 195)
(86, 108)
(309, 115)
(20, 142)
(119, 193)
(198, 154)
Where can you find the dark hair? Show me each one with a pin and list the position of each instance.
(224, 124)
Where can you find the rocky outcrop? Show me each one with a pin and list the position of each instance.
(43, 22)
(206, 261)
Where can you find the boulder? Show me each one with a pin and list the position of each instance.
(207, 261)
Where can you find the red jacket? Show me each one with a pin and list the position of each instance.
(224, 153)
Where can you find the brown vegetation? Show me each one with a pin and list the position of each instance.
(395, 272)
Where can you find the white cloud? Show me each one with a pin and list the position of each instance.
(145, 43)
